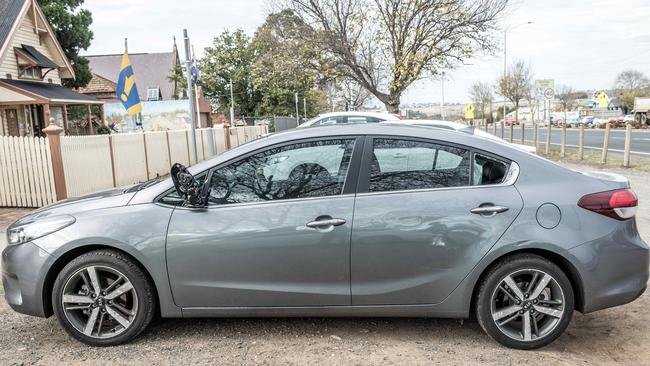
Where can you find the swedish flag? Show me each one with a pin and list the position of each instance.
(126, 91)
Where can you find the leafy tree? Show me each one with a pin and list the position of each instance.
(177, 76)
(386, 45)
(285, 64)
(481, 94)
(230, 58)
(71, 26)
(515, 84)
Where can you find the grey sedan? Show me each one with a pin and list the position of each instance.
(399, 221)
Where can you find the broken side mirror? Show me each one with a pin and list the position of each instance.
(193, 193)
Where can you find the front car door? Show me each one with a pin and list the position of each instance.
(276, 231)
(415, 235)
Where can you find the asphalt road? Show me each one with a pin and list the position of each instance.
(593, 138)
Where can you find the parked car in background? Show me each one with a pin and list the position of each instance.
(338, 118)
(359, 220)
(587, 120)
(628, 118)
(617, 121)
(511, 122)
(573, 122)
(461, 127)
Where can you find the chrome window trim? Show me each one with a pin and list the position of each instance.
(243, 204)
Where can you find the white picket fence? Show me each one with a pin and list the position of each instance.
(93, 163)
(26, 178)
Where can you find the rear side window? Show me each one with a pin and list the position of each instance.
(362, 119)
(404, 164)
(488, 171)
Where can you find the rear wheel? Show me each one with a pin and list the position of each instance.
(525, 302)
(103, 298)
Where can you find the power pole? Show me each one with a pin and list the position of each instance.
(297, 113)
(190, 94)
(304, 107)
(442, 104)
(504, 72)
(232, 105)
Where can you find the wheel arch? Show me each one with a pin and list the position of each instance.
(565, 265)
(67, 257)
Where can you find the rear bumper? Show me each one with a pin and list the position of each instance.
(614, 270)
(22, 278)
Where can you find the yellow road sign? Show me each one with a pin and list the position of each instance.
(469, 111)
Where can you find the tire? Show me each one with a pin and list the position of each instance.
(492, 302)
(118, 314)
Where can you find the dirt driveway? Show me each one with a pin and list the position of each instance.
(615, 336)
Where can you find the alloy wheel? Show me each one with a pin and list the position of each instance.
(99, 301)
(527, 305)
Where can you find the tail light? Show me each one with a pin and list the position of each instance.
(619, 204)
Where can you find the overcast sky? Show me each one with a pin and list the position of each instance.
(581, 43)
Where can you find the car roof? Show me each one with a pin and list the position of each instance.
(357, 113)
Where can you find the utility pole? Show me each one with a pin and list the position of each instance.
(304, 107)
(232, 105)
(505, 80)
(297, 113)
(442, 104)
(190, 93)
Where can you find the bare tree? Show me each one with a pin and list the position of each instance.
(386, 45)
(515, 85)
(567, 96)
(631, 80)
(481, 94)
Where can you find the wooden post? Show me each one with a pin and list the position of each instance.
(102, 117)
(146, 157)
(581, 142)
(523, 133)
(110, 151)
(512, 128)
(90, 121)
(53, 133)
(535, 135)
(169, 149)
(494, 126)
(603, 159)
(628, 143)
(501, 123)
(563, 145)
(65, 119)
(226, 131)
(548, 138)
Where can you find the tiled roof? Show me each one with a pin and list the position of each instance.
(98, 85)
(150, 69)
(9, 10)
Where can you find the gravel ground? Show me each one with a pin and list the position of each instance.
(614, 336)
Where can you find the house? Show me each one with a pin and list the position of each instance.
(151, 70)
(32, 66)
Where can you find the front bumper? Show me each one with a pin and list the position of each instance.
(614, 269)
(22, 277)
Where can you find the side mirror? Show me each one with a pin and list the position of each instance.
(194, 194)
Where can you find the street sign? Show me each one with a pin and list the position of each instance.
(469, 111)
(549, 93)
(545, 84)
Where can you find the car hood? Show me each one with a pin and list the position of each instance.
(104, 199)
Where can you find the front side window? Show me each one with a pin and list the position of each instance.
(301, 170)
(403, 165)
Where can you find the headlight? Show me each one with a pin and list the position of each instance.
(23, 232)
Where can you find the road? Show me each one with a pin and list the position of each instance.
(593, 138)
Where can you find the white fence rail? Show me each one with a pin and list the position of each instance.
(93, 163)
(26, 178)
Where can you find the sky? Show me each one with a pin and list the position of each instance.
(580, 43)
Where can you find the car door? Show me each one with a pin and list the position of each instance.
(276, 231)
(425, 213)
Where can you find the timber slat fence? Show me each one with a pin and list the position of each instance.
(93, 163)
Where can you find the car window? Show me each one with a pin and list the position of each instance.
(403, 164)
(332, 120)
(488, 170)
(362, 119)
(307, 169)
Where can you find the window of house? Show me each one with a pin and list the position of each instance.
(306, 169)
(404, 164)
(153, 94)
(31, 73)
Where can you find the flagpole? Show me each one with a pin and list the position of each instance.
(190, 94)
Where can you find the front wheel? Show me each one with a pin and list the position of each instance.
(525, 302)
(103, 298)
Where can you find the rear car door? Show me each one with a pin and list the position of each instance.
(425, 213)
(276, 231)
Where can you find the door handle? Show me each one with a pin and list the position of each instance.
(490, 210)
(322, 224)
